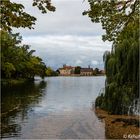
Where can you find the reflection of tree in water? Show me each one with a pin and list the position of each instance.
(17, 101)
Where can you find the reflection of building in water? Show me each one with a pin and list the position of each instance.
(86, 71)
(66, 70)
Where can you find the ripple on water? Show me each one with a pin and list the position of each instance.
(58, 107)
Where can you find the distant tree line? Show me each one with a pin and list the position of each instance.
(77, 70)
(50, 72)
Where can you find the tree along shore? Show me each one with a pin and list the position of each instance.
(18, 63)
(120, 19)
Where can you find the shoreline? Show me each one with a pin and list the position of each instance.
(76, 75)
(119, 126)
(14, 81)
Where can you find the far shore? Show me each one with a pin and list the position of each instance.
(78, 75)
(23, 80)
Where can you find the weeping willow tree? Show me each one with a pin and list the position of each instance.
(122, 72)
(120, 19)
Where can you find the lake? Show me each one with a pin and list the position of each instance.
(53, 108)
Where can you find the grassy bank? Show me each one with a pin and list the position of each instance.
(120, 126)
(14, 81)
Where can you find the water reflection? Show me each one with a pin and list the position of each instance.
(17, 103)
(59, 107)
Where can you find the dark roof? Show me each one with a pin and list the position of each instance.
(86, 70)
(67, 67)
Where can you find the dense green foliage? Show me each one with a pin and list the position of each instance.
(113, 15)
(50, 72)
(122, 72)
(120, 19)
(77, 70)
(13, 15)
(96, 71)
(17, 61)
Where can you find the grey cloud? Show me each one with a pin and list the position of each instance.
(67, 19)
(68, 49)
(65, 36)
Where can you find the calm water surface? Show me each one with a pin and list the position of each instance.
(57, 107)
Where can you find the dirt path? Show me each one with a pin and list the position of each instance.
(120, 126)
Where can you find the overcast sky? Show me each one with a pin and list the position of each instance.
(65, 36)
